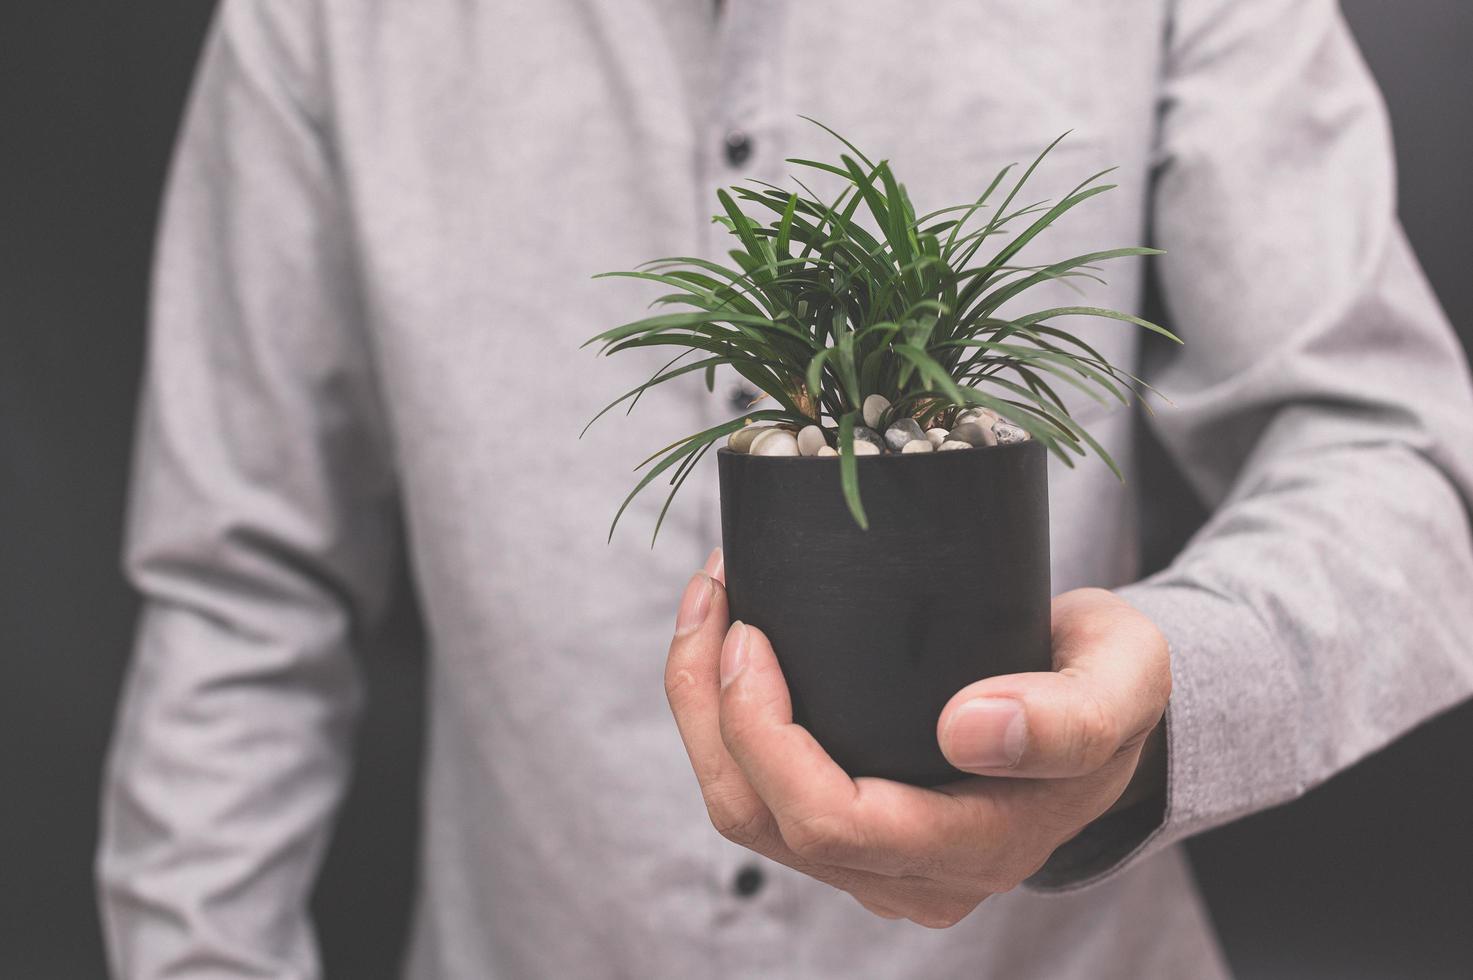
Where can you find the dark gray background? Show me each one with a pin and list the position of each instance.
(1368, 876)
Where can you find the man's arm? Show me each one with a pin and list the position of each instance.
(261, 533)
(1323, 409)
(1323, 412)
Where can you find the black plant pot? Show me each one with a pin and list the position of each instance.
(877, 629)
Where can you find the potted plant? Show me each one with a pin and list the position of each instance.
(885, 520)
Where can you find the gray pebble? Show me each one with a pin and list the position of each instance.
(810, 440)
(874, 406)
(919, 446)
(778, 442)
(951, 445)
(863, 433)
(936, 436)
(903, 431)
(973, 435)
(1007, 434)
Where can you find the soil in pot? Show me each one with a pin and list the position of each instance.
(877, 629)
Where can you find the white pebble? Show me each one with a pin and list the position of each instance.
(865, 448)
(952, 444)
(827, 451)
(936, 436)
(918, 446)
(778, 442)
(810, 440)
(874, 406)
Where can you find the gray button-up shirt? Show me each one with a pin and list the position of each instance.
(373, 279)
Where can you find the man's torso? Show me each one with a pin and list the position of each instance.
(494, 159)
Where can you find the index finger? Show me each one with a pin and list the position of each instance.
(783, 762)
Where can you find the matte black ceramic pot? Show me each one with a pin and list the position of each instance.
(877, 629)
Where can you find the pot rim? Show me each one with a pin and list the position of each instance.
(963, 453)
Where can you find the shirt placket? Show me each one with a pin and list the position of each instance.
(742, 140)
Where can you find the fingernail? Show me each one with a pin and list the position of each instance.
(694, 604)
(987, 733)
(715, 563)
(733, 652)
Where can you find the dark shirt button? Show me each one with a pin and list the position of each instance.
(738, 147)
(748, 881)
(742, 397)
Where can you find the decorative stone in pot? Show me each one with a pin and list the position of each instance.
(877, 629)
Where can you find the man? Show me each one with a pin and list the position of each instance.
(372, 279)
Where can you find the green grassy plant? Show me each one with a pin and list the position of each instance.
(818, 312)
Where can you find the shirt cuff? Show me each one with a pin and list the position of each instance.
(1231, 736)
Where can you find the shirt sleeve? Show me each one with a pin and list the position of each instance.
(1322, 411)
(262, 530)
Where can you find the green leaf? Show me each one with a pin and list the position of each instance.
(743, 226)
(997, 297)
(975, 206)
(933, 373)
(680, 449)
(659, 377)
(884, 302)
(675, 484)
(1039, 317)
(1048, 218)
(852, 148)
(818, 165)
(785, 227)
(814, 375)
(1002, 209)
(849, 469)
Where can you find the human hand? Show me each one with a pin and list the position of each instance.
(1060, 748)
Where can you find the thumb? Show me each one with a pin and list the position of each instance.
(1107, 691)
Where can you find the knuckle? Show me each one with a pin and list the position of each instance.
(1058, 819)
(820, 838)
(736, 725)
(740, 722)
(1097, 735)
(677, 682)
(741, 823)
